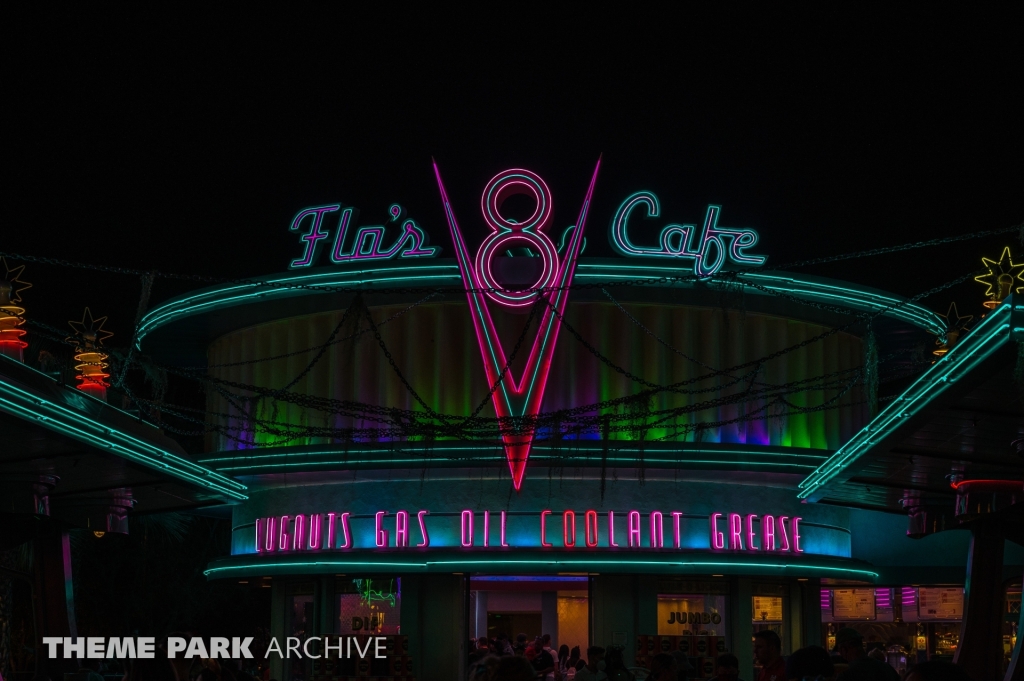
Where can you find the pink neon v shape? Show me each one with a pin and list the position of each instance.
(517, 400)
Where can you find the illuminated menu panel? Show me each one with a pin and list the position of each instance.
(940, 603)
(767, 609)
(853, 604)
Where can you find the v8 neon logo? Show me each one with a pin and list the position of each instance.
(514, 400)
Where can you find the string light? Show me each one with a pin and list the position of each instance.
(1002, 278)
(92, 361)
(12, 315)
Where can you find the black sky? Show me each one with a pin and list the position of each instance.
(185, 142)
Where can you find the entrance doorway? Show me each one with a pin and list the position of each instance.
(514, 623)
(532, 605)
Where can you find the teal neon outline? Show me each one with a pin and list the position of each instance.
(963, 357)
(59, 418)
(693, 242)
(328, 450)
(447, 274)
(570, 565)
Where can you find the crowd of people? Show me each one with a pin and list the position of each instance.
(500, 659)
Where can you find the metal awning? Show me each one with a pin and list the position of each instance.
(955, 422)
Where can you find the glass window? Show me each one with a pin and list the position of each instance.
(369, 605)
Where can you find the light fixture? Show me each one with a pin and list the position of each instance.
(88, 338)
(955, 325)
(12, 315)
(98, 534)
(1003, 278)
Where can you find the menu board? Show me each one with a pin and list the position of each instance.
(767, 609)
(940, 603)
(853, 604)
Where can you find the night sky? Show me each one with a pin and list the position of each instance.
(183, 142)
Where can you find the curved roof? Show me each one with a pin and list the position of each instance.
(180, 328)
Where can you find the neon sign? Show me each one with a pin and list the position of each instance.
(515, 400)
(727, 532)
(709, 247)
(368, 243)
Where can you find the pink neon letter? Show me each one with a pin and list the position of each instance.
(796, 535)
(271, 535)
(717, 538)
(750, 532)
(569, 529)
(611, 529)
(330, 530)
(525, 395)
(283, 538)
(259, 539)
(467, 528)
(676, 517)
(543, 541)
(504, 545)
(345, 532)
(590, 528)
(768, 533)
(782, 533)
(735, 531)
(657, 540)
(634, 529)
(315, 527)
(299, 536)
(381, 533)
(487, 528)
(402, 529)
(423, 530)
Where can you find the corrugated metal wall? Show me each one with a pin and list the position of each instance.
(435, 348)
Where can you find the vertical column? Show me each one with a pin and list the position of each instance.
(278, 594)
(413, 619)
(795, 635)
(741, 595)
(647, 604)
(614, 613)
(980, 650)
(549, 615)
(811, 611)
(53, 594)
(326, 617)
(442, 628)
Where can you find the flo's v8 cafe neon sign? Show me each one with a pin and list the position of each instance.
(709, 246)
(566, 530)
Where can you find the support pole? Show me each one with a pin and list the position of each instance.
(980, 651)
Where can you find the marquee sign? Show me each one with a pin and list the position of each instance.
(368, 243)
(708, 248)
(566, 530)
(515, 400)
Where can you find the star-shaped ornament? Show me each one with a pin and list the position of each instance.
(1003, 278)
(11, 285)
(89, 332)
(955, 325)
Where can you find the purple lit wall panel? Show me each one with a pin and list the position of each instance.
(435, 348)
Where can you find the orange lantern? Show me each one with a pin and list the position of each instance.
(91, 360)
(12, 316)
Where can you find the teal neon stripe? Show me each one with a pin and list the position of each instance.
(24, 404)
(593, 451)
(310, 464)
(962, 358)
(543, 563)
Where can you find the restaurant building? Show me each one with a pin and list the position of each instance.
(669, 449)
